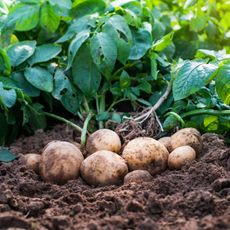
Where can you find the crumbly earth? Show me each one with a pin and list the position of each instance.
(196, 197)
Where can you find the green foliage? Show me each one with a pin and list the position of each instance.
(93, 57)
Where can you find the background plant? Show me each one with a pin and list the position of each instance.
(99, 59)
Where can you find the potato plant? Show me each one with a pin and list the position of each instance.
(101, 60)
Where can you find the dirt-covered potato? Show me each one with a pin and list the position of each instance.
(166, 141)
(60, 162)
(32, 161)
(137, 176)
(147, 154)
(103, 168)
(187, 136)
(103, 139)
(180, 156)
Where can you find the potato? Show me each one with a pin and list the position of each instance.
(103, 139)
(32, 161)
(180, 156)
(187, 136)
(103, 168)
(60, 162)
(166, 141)
(147, 154)
(137, 176)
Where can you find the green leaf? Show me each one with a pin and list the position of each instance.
(85, 73)
(199, 22)
(223, 83)
(170, 123)
(75, 44)
(24, 85)
(5, 66)
(141, 43)
(82, 24)
(123, 46)
(45, 53)
(120, 24)
(6, 155)
(189, 3)
(26, 16)
(49, 19)
(163, 42)
(7, 97)
(116, 117)
(191, 77)
(8, 82)
(83, 7)
(104, 53)
(61, 7)
(65, 92)
(20, 52)
(124, 80)
(39, 78)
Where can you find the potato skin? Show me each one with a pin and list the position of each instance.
(137, 176)
(166, 141)
(103, 139)
(187, 136)
(146, 153)
(60, 162)
(32, 161)
(103, 168)
(180, 156)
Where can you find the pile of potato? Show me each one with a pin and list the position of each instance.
(106, 163)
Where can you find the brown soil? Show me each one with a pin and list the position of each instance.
(196, 197)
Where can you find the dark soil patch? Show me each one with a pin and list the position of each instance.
(196, 197)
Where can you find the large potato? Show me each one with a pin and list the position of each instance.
(60, 162)
(104, 168)
(187, 136)
(166, 141)
(103, 139)
(137, 176)
(180, 156)
(147, 154)
(32, 161)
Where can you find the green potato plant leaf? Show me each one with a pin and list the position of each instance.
(86, 75)
(44, 53)
(6, 155)
(20, 52)
(49, 19)
(104, 53)
(5, 66)
(191, 77)
(223, 83)
(24, 85)
(25, 16)
(39, 78)
(163, 42)
(7, 97)
(141, 43)
(75, 44)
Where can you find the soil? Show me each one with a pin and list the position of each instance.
(195, 197)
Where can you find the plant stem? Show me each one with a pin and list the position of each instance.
(207, 111)
(102, 109)
(85, 127)
(78, 128)
(86, 105)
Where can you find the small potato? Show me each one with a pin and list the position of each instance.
(103, 168)
(147, 154)
(166, 141)
(32, 161)
(137, 176)
(103, 139)
(60, 162)
(187, 136)
(180, 156)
